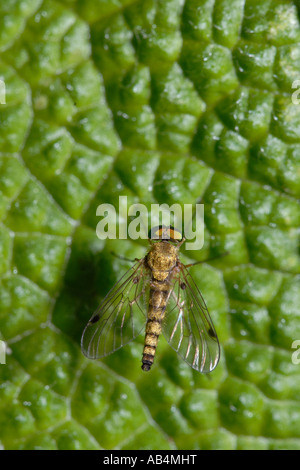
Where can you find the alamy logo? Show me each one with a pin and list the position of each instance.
(2, 352)
(296, 354)
(134, 221)
(2, 92)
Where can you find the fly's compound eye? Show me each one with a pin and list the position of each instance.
(162, 232)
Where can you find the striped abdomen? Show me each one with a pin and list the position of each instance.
(159, 295)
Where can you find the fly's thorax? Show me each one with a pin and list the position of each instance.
(160, 275)
(161, 259)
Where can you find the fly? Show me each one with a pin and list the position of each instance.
(157, 295)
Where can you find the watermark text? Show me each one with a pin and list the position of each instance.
(2, 92)
(135, 221)
(296, 354)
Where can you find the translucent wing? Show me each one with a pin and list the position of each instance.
(188, 327)
(120, 317)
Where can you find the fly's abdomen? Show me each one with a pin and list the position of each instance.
(159, 294)
(153, 330)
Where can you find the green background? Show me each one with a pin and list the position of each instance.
(162, 101)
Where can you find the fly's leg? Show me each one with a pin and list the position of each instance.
(123, 257)
(208, 259)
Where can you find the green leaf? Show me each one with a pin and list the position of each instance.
(162, 101)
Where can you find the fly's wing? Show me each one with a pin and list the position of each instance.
(188, 327)
(120, 317)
